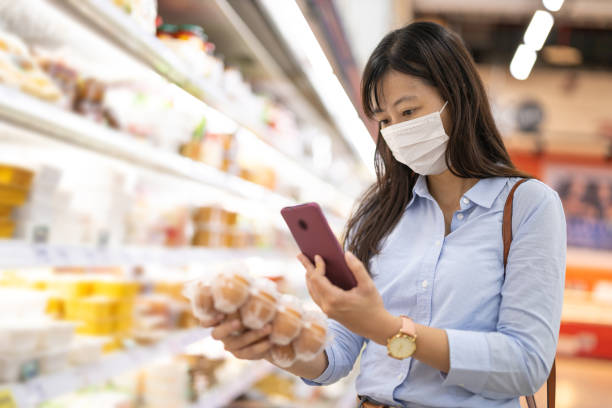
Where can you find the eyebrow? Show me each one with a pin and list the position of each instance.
(400, 100)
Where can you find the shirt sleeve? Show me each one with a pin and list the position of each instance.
(516, 359)
(342, 352)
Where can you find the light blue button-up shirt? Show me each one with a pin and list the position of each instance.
(502, 332)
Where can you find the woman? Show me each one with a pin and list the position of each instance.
(427, 245)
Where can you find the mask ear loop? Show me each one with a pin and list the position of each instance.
(443, 106)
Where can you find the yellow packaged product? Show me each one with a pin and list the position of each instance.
(73, 288)
(101, 327)
(55, 307)
(113, 344)
(15, 176)
(11, 195)
(125, 308)
(6, 211)
(7, 227)
(116, 288)
(96, 308)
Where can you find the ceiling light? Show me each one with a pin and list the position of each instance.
(522, 62)
(553, 5)
(538, 29)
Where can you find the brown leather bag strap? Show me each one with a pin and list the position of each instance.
(507, 238)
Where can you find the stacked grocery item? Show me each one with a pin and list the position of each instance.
(30, 343)
(102, 307)
(19, 69)
(15, 183)
(297, 334)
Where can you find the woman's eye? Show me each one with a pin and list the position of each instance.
(408, 112)
(383, 122)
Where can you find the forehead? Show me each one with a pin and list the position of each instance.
(395, 85)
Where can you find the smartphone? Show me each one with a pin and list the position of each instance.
(315, 237)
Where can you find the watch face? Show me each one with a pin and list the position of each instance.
(402, 347)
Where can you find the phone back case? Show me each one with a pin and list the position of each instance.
(314, 236)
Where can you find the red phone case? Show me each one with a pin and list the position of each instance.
(314, 237)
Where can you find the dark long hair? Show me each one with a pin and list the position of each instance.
(475, 149)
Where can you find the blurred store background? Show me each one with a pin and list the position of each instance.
(143, 142)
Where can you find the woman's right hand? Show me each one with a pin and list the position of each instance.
(248, 344)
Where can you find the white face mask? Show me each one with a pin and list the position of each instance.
(419, 143)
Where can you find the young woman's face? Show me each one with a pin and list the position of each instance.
(405, 97)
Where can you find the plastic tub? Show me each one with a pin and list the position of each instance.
(53, 361)
(15, 368)
(10, 195)
(56, 335)
(7, 228)
(86, 350)
(19, 337)
(15, 176)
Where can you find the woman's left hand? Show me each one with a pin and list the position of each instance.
(361, 309)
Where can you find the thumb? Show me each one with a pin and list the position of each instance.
(357, 267)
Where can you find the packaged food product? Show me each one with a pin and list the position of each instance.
(7, 227)
(17, 367)
(12, 195)
(287, 323)
(200, 296)
(313, 335)
(15, 176)
(56, 335)
(5, 211)
(53, 361)
(19, 336)
(283, 356)
(230, 288)
(85, 350)
(260, 307)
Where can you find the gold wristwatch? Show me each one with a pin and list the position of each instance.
(403, 344)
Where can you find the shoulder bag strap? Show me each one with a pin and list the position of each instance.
(507, 237)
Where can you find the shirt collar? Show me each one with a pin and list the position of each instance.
(483, 193)
(486, 191)
(420, 189)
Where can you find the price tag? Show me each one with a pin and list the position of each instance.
(7, 400)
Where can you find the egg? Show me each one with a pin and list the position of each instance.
(260, 308)
(283, 356)
(288, 321)
(230, 291)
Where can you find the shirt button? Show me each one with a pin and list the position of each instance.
(438, 243)
(424, 284)
(459, 216)
(466, 201)
(400, 376)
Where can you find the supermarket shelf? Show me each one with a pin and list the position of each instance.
(226, 393)
(31, 113)
(43, 388)
(118, 27)
(14, 254)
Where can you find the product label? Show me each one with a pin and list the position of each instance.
(6, 399)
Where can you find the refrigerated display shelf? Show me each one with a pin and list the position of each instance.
(226, 393)
(14, 254)
(120, 29)
(43, 388)
(51, 121)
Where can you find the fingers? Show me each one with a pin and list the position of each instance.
(225, 329)
(246, 339)
(254, 352)
(215, 320)
(357, 267)
(306, 262)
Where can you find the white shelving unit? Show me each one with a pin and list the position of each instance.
(226, 393)
(14, 254)
(118, 27)
(43, 388)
